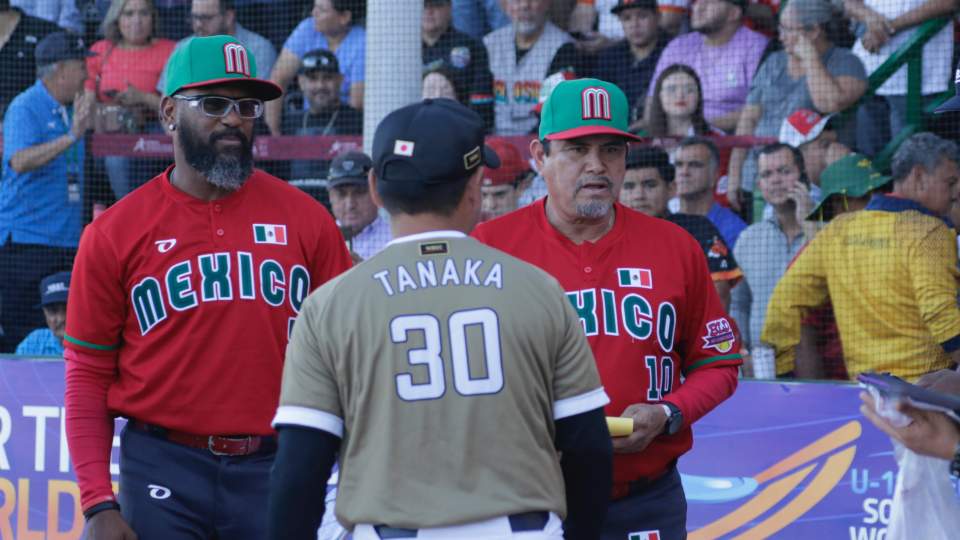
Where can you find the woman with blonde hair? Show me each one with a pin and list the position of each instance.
(124, 76)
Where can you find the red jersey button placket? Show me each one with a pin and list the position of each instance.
(216, 211)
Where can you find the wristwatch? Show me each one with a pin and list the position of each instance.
(674, 418)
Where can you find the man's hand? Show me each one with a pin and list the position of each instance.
(648, 422)
(805, 50)
(930, 434)
(879, 31)
(82, 113)
(800, 195)
(131, 96)
(945, 380)
(109, 525)
(733, 190)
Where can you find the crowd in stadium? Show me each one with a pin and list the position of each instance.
(793, 79)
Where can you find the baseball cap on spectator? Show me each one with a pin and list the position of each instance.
(952, 104)
(512, 165)
(547, 86)
(584, 107)
(320, 60)
(802, 127)
(54, 289)
(852, 175)
(630, 4)
(213, 60)
(59, 46)
(349, 168)
(409, 151)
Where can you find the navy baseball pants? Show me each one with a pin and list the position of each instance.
(171, 492)
(656, 511)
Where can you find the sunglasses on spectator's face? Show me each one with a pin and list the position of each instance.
(219, 106)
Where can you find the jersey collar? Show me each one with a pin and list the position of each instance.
(608, 239)
(426, 236)
(892, 203)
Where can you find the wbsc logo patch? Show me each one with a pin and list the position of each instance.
(719, 336)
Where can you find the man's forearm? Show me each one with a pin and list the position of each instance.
(928, 10)
(89, 426)
(37, 156)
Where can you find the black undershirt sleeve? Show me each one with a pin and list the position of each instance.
(305, 457)
(587, 463)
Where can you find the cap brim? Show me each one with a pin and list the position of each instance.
(344, 180)
(258, 88)
(584, 131)
(952, 104)
(490, 158)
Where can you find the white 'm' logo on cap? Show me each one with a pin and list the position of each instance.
(235, 59)
(596, 104)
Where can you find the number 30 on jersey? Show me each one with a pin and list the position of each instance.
(431, 355)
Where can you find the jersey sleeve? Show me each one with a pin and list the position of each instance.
(708, 337)
(96, 306)
(576, 384)
(933, 275)
(802, 287)
(309, 393)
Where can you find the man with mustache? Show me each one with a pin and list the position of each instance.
(183, 296)
(642, 290)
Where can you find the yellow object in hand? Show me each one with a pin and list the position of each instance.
(619, 426)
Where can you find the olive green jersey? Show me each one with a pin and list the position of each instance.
(443, 364)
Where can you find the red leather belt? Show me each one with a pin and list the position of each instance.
(220, 445)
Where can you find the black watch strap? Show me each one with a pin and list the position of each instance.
(674, 421)
(100, 507)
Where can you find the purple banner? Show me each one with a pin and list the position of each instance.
(777, 460)
(789, 460)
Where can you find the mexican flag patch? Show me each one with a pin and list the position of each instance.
(270, 234)
(640, 278)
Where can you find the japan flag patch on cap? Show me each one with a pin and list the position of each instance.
(403, 148)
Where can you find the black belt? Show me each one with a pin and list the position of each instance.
(640, 485)
(523, 522)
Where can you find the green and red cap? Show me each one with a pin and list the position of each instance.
(582, 107)
(213, 60)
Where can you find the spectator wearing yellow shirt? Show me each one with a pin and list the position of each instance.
(889, 270)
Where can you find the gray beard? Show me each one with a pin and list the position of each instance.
(594, 209)
(225, 170)
(525, 29)
(229, 172)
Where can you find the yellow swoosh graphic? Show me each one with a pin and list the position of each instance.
(759, 504)
(828, 477)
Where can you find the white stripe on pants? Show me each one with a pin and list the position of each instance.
(490, 529)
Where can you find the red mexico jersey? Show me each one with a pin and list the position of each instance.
(647, 305)
(194, 300)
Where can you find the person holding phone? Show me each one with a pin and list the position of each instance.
(766, 248)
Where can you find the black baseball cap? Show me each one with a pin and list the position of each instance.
(630, 4)
(319, 60)
(349, 168)
(952, 104)
(59, 46)
(54, 289)
(431, 142)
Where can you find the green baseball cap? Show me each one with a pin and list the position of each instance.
(206, 61)
(851, 176)
(582, 107)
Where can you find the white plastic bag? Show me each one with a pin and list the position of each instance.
(925, 505)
